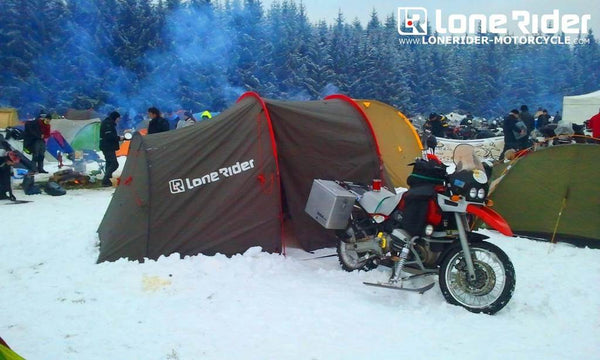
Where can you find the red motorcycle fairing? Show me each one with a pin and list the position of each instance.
(491, 218)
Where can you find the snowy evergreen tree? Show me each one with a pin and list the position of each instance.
(202, 54)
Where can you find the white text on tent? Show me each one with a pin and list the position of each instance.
(177, 186)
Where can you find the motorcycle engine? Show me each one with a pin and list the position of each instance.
(427, 256)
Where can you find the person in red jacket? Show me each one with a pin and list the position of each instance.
(594, 124)
(34, 139)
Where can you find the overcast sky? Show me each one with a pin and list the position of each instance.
(328, 9)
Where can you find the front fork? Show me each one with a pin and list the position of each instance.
(461, 224)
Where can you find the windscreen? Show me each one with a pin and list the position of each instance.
(465, 159)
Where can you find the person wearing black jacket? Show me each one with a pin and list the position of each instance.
(109, 144)
(157, 123)
(543, 120)
(34, 136)
(438, 124)
(527, 119)
(6, 161)
(510, 128)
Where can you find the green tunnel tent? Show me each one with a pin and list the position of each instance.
(227, 184)
(87, 138)
(553, 192)
(81, 134)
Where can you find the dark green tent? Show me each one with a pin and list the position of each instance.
(553, 192)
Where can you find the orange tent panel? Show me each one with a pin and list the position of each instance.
(124, 149)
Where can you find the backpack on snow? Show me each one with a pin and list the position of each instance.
(29, 187)
(54, 189)
(14, 133)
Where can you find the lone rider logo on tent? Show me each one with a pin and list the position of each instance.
(177, 186)
(412, 21)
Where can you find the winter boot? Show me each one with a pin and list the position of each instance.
(40, 167)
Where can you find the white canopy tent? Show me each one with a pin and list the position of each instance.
(579, 108)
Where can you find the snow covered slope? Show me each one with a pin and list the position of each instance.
(56, 303)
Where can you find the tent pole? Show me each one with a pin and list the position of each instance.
(562, 208)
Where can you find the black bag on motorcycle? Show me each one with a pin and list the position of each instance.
(426, 175)
(427, 172)
(415, 207)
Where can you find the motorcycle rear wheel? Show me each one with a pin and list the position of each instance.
(349, 258)
(493, 286)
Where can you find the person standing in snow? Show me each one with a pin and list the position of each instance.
(7, 160)
(157, 123)
(109, 144)
(34, 139)
(188, 119)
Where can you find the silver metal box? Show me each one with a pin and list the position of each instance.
(329, 204)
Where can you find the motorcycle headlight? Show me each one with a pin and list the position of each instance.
(473, 193)
(481, 194)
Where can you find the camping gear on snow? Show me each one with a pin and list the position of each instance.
(79, 165)
(80, 134)
(69, 177)
(19, 173)
(29, 186)
(54, 189)
(15, 132)
(77, 135)
(564, 207)
(240, 174)
(329, 204)
(57, 145)
(579, 108)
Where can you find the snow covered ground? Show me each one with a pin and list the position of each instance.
(57, 303)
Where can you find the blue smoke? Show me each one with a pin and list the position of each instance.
(188, 72)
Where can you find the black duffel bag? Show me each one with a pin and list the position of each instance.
(54, 189)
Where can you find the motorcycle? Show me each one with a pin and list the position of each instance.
(425, 231)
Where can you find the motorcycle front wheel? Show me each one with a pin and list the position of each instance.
(494, 281)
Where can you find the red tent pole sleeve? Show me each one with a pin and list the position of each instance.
(252, 94)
